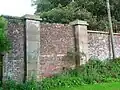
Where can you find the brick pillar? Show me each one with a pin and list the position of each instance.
(81, 40)
(32, 26)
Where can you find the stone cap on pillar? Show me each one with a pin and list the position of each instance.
(32, 17)
(78, 22)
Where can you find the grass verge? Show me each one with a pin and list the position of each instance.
(103, 86)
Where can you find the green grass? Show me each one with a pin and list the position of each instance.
(105, 86)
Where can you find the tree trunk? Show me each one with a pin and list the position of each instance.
(111, 29)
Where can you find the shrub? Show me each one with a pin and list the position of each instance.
(4, 41)
(95, 71)
(49, 83)
(13, 85)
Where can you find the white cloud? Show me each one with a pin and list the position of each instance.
(16, 7)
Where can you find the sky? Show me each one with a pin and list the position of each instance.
(16, 7)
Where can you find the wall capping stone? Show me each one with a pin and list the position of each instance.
(101, 32)
(78, 22)
(32, 17)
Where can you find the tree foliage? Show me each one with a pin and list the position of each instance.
(4, 41)
(46, 5)
(65, 11)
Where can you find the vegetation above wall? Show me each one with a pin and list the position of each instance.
(93, 11)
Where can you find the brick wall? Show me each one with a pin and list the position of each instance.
(99, 47)
(14, 60)
(55, 41)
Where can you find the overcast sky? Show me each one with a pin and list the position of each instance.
(16, 7)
